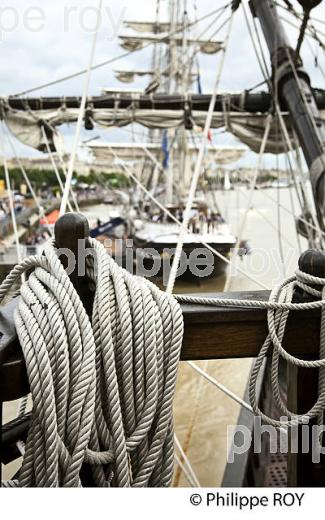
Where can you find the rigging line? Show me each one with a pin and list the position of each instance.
(10, 197)
(227, 20)
(226, 391)
(190, 60)
(29, 184)
(64, 169)
(295, 174)
(304, 201)
(195, 410)
(310, 33)
(311, 28)
(279, 234)
(263, 70)
(186, 461)
(291, 212)
(220, 386)
(111, 60)
(184, 470)
(56, 171)
(279, 231)
(206, 29)
(268, 221)
(174, 219)
(269, 120)
(257, 33)
(302, 32)
(285, 134)
(65, 197)
(257, 85)
(317, 20)
(314, 55)
(62, 162)
(309, 205)
(293, 208)
(197, 170)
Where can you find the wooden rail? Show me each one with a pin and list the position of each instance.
(221, 333)
(210, 333)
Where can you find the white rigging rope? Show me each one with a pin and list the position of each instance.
(183, 462)
(197, 170)
(73, 155)
(220, 386)
(29, 185)
(261, 60)
(114, 59)
(186, 471)
(10, 196)
(57, 173)
(268, 221)
(250, 196)
(304, 198)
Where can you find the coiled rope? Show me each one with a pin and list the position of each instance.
(278, 308)
(102, 389)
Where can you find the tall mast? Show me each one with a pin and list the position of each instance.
(294, 88)
(171, 84)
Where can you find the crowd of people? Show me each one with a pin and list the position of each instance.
(202, 219)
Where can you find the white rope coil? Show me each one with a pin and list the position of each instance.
(278, 308)
(103, 388)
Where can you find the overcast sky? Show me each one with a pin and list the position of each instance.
(42, 40)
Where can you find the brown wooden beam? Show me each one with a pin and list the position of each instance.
(220, 333)
(210, 333)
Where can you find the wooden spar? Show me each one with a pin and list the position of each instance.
(221, 333)
(252, 102)
(210, 333)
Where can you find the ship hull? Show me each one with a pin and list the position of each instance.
(198, 264)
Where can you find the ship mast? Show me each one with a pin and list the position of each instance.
(179, 83)
(293, 84)
(171, 81)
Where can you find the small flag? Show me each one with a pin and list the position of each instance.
(164, 147)
(199, 86)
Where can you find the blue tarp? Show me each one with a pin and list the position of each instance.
(106, 227)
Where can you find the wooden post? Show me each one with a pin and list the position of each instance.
(72, 233)
(303, 390)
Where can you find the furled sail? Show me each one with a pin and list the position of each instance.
(128, 76)
(248, 128)
(136, 43)
(104, 152)
(125, 76)
(153, 27)
(27, 128)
